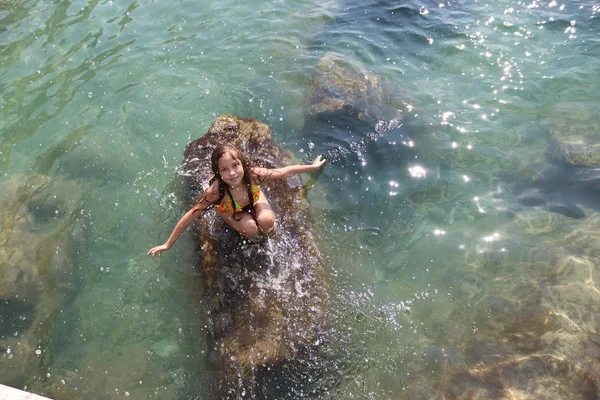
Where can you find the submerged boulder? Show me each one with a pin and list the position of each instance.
(340, 85)
(39, 232)
(576, 144)
(575, 132)
(537, 330)
(265, 297)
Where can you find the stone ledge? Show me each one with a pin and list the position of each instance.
(9, 393)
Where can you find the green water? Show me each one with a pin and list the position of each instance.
(428, 252)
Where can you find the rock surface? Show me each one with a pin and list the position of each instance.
(266, 298)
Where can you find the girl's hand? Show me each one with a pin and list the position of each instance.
(318, 162)
(157, 250)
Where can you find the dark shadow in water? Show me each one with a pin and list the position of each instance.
(357, 151)
(561, 189)
(16, 315)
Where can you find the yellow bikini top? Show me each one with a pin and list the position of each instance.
(227, 204)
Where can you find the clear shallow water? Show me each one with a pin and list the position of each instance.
(418, 227)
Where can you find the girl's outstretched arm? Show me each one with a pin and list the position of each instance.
(265, 174)
(185, 221)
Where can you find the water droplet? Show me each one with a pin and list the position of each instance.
(38, 352)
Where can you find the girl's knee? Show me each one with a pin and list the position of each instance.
(266, 219)
(249, 229)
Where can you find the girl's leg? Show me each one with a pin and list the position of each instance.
(246, 224)
(264, 215)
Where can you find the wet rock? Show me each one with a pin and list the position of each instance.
(341, 85)
(267, 295)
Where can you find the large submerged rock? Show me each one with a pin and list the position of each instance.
(265, 299)
(575, 133)
(340, 85)
(532, 294)
(39, 234)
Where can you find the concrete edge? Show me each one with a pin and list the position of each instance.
(9, 393)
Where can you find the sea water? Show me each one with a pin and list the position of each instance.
(432, 260)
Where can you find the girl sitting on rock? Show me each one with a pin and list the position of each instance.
(234, 190)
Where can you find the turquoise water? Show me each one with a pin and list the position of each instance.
(436, 268)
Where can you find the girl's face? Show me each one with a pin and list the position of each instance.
(230, 169)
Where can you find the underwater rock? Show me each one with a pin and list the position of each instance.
(437, 215)
(563, 240)
(266, 297)
(537, 376)
(340, 85)
(380, 274)
(92, 379)
(537, 331)
(434, 199)
(165, 348)
(39, 231)
(575, 143)
(369, 238)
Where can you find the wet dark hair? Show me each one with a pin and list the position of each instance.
(239, 155)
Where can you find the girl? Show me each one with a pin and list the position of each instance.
(236, 183)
